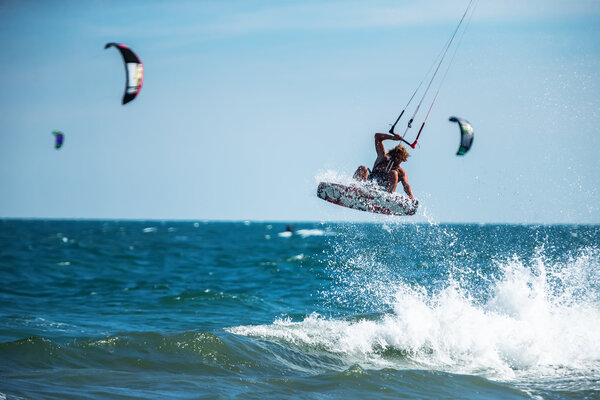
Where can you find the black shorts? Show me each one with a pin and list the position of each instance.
(379, 177)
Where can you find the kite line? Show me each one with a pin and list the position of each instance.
(439, 64)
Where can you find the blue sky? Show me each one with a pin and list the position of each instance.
(246, 104)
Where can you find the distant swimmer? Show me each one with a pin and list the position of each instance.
(386, 170)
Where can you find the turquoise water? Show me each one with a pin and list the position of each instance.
(194, 310)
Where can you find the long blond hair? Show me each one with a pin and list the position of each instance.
(399, 150)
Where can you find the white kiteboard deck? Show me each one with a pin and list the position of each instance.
(366, 199)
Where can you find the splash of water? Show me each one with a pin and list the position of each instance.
(537, 319)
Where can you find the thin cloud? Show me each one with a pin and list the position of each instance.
(210, 18)
(385, 14)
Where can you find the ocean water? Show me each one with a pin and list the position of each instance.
(207, 310)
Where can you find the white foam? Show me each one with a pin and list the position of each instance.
(310, 232)
(334, 176)
(343, 179)
(537, 320)
(305, 233)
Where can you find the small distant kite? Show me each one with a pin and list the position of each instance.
(466, 135)
(59, 138)
(134, 70)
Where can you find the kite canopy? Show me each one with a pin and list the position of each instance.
(58, 139)
(134, 70)
(466, 135)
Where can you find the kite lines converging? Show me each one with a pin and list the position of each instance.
(469, 10)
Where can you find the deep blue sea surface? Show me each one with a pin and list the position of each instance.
(208, 310)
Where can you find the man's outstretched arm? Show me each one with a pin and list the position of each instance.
(407, 189)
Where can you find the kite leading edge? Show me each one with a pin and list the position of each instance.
(134, 70)
(466, 135)
(59, 138)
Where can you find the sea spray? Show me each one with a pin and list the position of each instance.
(522, 318)
(367, 267)
(386, 310)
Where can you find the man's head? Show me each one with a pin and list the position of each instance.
(398, 154)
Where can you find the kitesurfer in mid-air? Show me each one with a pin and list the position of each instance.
(386, 169)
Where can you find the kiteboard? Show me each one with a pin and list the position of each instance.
(368, 199)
